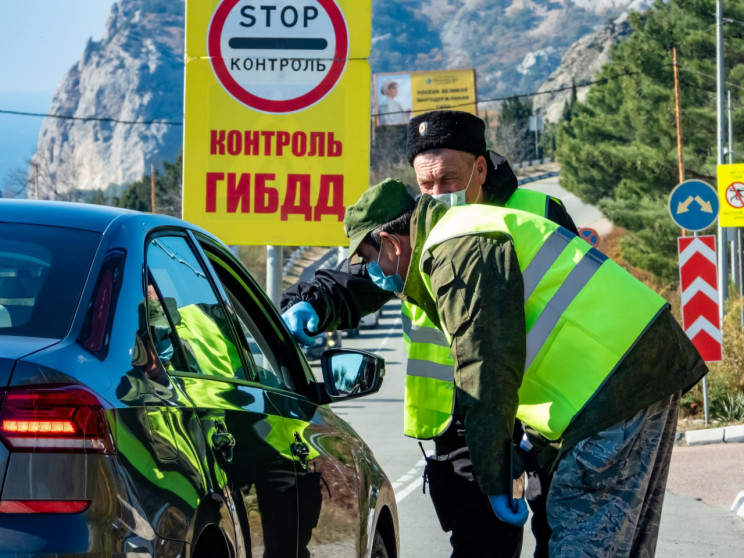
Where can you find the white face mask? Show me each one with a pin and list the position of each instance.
(453, 199)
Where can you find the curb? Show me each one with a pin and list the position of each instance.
(738, 505)
(726, 434)
(534, 178)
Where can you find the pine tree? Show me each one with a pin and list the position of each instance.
(167, 191)
(619, 147)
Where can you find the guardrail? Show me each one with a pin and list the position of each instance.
(533, 163)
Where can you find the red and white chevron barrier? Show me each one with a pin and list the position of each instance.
(698, 273)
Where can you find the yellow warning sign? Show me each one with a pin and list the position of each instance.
(731, 195)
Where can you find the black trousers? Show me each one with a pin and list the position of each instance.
(465, 511)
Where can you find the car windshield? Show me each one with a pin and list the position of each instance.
(42, 272)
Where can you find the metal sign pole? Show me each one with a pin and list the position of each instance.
(722, 244)
(274, 273)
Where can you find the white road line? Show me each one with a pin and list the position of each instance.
(412, 480)
(390, 332)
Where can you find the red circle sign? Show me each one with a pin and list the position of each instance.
(590, 235)
(735, 195)
(281, 56)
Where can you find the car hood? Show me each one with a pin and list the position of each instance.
(13, 348)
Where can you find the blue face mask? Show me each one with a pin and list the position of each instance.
(392, 283)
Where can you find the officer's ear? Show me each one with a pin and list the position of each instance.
(481, 170)
(399, 242)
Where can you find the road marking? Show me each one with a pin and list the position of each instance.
(397, 325)
(412, 481)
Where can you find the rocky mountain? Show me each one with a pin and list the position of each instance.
(580, 64)
(135, 73)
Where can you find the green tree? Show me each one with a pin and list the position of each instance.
(619, 147)
(513, 138)
(168, 188)
(568, 108)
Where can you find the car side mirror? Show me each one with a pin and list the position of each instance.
(350, 373)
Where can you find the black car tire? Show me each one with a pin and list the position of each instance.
(379, 550)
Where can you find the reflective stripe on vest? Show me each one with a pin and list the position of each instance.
(430, 371)
(429, 375)
(583, 312)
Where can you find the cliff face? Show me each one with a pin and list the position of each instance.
(135, 73)
(579, 65)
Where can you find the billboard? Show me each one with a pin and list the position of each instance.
(276, 125)
(399, 96)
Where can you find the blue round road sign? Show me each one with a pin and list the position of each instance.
(693, 205)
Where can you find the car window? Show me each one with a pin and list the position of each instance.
(271, 353)
(180, 290)
(267, 364)
(42, 273)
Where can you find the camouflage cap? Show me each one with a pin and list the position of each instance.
(380, 204)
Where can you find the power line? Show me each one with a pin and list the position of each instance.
(91, 118)
(602, 81)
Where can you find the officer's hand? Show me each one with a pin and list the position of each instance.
(502, 509)
(300, 317)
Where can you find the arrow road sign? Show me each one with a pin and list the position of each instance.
(699, 286)
(693, 205)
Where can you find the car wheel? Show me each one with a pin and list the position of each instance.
(379, 550)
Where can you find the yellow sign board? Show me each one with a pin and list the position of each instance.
(276, 134)
(731, 195)
(398, 96)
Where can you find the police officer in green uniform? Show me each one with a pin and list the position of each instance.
(447, 149)
(547, 329)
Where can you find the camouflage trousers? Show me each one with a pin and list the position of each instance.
(607, 491)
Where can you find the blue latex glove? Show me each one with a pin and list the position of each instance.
(502, 509)
(300, 317)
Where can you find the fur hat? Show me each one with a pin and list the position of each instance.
(450, 129)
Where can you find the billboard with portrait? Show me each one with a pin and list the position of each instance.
(399, 96)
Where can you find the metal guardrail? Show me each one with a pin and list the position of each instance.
(533, 163)
(528, 179)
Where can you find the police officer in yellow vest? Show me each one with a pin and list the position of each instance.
(545, 328)
(447, 150)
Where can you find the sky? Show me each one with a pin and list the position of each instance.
(40, 41)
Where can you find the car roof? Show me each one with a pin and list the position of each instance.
(57, 213)
(85, 216)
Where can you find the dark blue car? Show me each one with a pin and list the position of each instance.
(152, 402)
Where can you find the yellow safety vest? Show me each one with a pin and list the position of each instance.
(583, 312)
(430, 372)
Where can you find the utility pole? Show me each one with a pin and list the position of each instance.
(722, 245)
(680, 163)
(536, 124)
(152, 187)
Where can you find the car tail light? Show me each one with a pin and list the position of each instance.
(54, 419)
(43, 506)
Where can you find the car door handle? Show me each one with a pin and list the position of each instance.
(224, 442)
(299, 448)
